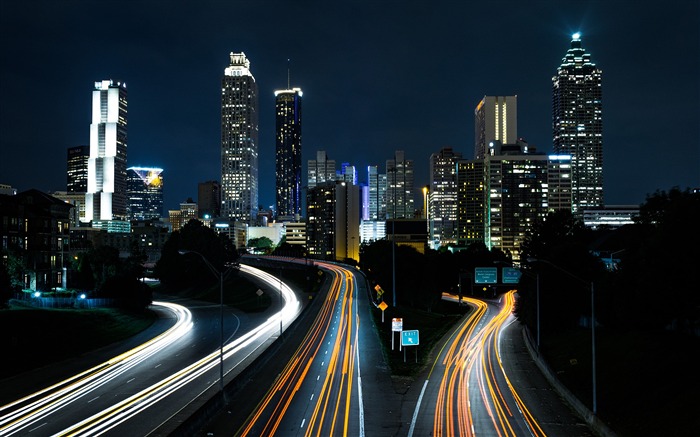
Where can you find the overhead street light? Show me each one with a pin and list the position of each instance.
(593, 348)
(220, 275)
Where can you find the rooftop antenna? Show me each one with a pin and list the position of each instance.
(288, 82)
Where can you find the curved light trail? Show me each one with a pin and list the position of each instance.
(24, 412)
(60, 395)
(475, 395)
(316, 394)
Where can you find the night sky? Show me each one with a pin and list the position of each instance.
(377, 76)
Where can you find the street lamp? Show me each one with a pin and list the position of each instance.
(593, 360)
(220, 276)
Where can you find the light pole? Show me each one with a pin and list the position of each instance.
(219, 275)
(593, 348)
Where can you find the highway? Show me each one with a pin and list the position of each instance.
(319, 391)
(467, 391)
(170, 371)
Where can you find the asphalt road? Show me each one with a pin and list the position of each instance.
(483, 382)
(318, 391)
(119, 397)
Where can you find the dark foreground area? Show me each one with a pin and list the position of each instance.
(35, 337)
(646, 380)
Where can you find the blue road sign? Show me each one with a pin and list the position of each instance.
(409, 338)
(511, 275)
(486, 275)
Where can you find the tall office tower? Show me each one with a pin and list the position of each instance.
(442, 208)
(516, 199)
(333, 221)
(239, 141)
(288, 151)
(209, 199)
(495, 118)
(377, 193)
(471, 199)
(577, 124)
(145, 191)
(399, 192)
(106, 191)
(77, 169)
(321, 169)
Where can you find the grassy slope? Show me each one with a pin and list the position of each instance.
(36, 337)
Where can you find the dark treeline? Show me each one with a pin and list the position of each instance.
(422, 278)
(653, 285)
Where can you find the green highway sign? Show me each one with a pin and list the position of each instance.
(409, 338)
(511, 275)
(486, 275)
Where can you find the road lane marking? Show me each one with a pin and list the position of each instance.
(130, 380)
(303, 422)
(93, 399)
(415, 413)
(34, 429)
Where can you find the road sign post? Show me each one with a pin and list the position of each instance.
(396, 326)
(410, 338)
(382, 306)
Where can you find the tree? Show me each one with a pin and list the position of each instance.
(659, 263)
(262, 244)
(563, 241)
(182, 271)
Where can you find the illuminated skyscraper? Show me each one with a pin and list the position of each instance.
(577, 124)
(77, 169)
(495, 119)
(239, 141)
(145, 188)
(106, 189)
(288, 151)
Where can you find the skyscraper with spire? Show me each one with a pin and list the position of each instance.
(239, 141)
(288, 150)
(577, 124)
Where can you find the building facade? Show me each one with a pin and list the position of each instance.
(495, 119)
(516, 198)
(180, 217)
(106, 198)
(35, 227)
(320, 170)
(145, 190)
(442, 201)
(471, 200)
(399, 191)
(77, 169)
(239, 141)
(377, 193)
(288, 111)
(209, 199)
(577, 124)
(333, 221)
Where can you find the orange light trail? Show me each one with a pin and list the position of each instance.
(472, 366)
(330, 414)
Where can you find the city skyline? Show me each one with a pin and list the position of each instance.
(372, 84)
